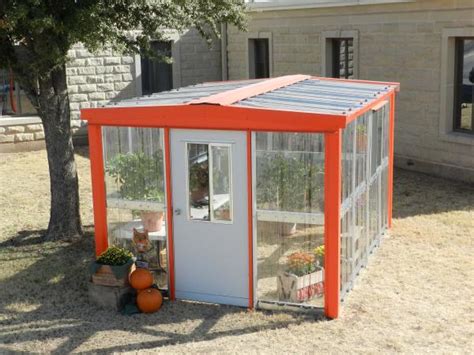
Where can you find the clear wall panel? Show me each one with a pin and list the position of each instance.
(364, 185)
(289, 199)
(135, 188)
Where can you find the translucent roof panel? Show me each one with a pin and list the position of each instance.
(185, 94)
(319, 96)
(297, 93)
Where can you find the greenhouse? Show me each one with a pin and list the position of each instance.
(255, 193)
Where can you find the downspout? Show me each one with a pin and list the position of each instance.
(224, 67)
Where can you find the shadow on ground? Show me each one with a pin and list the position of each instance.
(47, 302)
(419, 194)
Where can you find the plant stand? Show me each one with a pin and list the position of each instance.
(292, 288)
(107, 275)
(111, 297)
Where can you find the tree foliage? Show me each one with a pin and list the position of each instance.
(35, 37)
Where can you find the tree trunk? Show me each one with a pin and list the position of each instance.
(53, 102)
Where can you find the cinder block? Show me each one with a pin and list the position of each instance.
(15, 129)
(34, 128)
(24, 137)
(39, 136)
(105, 87)
(78, 97)
(112, 60)
(7, 139)
(109, 296)
(96, 96)
(95, 61)
(86, 71)
(74, 80)
(87, 88)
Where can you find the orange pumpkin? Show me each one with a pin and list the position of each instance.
(149, 300)
(141, 279)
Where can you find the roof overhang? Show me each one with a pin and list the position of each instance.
(272, 5)
(210, 116)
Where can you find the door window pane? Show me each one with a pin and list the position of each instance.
(198, 183)
(221, 180)
(464, 89)
(209, 182)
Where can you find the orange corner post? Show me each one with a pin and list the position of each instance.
(169, 214)
(332, 203)
(98, 187)
(390, 159)
(250, 217)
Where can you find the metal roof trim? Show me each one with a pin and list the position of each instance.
(230, 97)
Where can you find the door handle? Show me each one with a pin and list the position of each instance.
(177, 211)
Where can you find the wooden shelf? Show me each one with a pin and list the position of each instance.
(115, 201)
(125, 231)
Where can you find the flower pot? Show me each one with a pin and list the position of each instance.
(111, 275)
(152, 220)
(292, 288)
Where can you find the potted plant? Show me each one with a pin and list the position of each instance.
(319, 254)
(302, 280)
(112, 267)
(288, 183)
(140, 178)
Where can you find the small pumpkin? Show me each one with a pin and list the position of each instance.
(141, 279)
(149, 300)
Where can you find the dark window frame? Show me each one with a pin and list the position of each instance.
(458, 83)
(150, 69)
(336, 57)
(259, 68)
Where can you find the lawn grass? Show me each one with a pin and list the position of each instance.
(415, 296)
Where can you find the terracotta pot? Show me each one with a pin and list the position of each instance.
(152, 220)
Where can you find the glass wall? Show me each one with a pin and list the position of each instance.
(289, 201)
(364, 191)
(135, 187)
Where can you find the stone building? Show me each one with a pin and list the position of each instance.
(426, 45)
(96, 79)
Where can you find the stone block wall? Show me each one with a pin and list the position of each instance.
(197, 62)
(21, 133)
(396, 42)
(95, 79)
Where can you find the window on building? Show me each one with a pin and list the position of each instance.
(259, 58)
(13, 100)
(464, 85)
(342, 63)
(157, 75)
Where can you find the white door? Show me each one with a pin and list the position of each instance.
(209, 187)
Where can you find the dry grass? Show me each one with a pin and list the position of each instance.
(416, 295)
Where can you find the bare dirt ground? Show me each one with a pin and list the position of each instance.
(416, 296)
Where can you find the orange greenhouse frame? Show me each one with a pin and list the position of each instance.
(215, 112)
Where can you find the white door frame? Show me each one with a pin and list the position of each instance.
(211, 260)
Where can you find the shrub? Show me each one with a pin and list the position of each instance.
(114, 256)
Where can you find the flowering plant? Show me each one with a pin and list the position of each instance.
(301, 263)
(319, 253)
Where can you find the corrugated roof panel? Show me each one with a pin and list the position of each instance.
(318, 95)
(185, 94)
